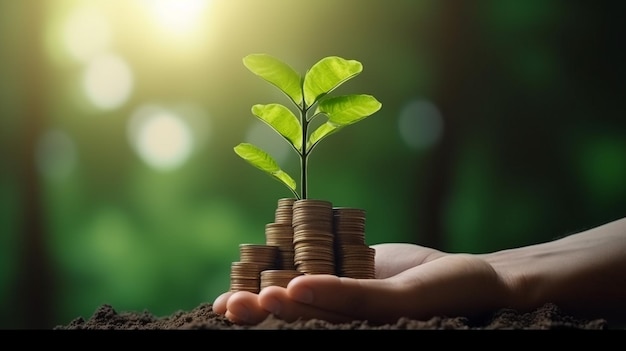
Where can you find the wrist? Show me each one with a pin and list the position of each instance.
(518, 271)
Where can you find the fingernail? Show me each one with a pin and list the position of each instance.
(303, 295)
(272, 305)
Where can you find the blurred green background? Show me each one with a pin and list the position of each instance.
(502, 125)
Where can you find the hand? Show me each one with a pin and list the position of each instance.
(411, 281)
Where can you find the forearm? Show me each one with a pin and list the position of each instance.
(584, 273)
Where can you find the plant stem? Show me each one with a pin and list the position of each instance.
(304, 154)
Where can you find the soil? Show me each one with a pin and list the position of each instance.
(202, 317)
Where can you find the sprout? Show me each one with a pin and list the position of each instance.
(310, 95)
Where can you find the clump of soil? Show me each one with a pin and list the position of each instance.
(202, 317)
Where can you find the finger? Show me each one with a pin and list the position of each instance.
(243, 307)
(219, 304)
(275, 300)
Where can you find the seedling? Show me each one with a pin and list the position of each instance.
(309, 94)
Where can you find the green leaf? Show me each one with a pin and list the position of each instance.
(342, 111)
(348, 109)
(263, 161)
(282, 120)
(326, 75)
(277, 73)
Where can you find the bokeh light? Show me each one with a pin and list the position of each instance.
(420, 124)
(108, 81)
(56, 155)
(87, 33)
(161, 138)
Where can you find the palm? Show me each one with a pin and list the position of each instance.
(392, 259)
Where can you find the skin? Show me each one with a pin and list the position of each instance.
(583, 273)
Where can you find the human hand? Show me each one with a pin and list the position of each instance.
(411, 281)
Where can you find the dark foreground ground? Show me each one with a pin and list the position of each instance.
(203, 318)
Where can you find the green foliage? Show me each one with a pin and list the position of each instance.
(309, 94)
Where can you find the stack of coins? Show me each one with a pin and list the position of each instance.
(354, 258)
(278, 277)
(253, 259)
(313, 236)
(284, 211)
(265, 256)
(307, 237)
(244, 276)
(280, 235)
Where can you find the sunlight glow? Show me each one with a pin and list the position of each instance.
(108, 81)
(178, 16)
(161, 138)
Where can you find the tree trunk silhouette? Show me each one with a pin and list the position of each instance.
(33, 289)
(456, 52)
